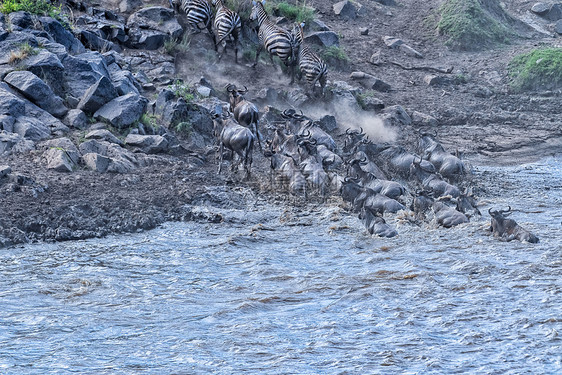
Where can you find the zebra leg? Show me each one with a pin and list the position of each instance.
(257, 55)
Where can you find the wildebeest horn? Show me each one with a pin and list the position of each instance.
(351, 179)
(288, 113)
(347, 131)
(230, 87)
(506, 211)
(363, 161)
(245, 90)
(299, 117)
(361, 131)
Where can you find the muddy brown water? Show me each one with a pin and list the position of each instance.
(286, 291)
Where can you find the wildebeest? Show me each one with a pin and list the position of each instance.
(448, 216)
(432, 181)
(376, 224)
(352, 138)
(449, 166)
(288, 173)
(245, 112)
(508, 229)
(234, 137)
(400, 160)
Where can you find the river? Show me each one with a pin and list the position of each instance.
(291, 291)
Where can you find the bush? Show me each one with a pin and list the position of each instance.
(183, 90)
(297, 13)
(538, 69)
(469, 26)
(25, 50)
(39, 7)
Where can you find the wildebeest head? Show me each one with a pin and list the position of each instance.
(235, 95)
(352, 138)
(508, 229)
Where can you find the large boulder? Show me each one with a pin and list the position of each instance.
(97, 95)
(96, 162)
(82, 71)
(20, 20)
(61, 154)
(77, 119)
(124, 82)
(33, 88)
(10, 104)
(150, 27)
(122, 111)
(120, 159)
(105, 135)
(62, 35)
(64, 144)
(323, 39)
(345, 9)
(7, 141)
(7, 123)
(97, 42)
(149, 144)
(31, 128)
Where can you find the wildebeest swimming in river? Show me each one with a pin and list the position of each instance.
(508, 229)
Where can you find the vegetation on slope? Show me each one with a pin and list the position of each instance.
(536, 70)
(469, 26)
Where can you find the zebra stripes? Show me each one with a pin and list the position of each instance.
(198, 11)
(276, 40)
(227, 23)
(310, 64)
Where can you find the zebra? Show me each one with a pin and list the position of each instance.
(197, 11)
(310, 64)
(276, 40)
(227, 23)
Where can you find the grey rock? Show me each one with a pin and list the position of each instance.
(558, 27)
(20, 20)
(96, 162)
(540, 8)
(204, 91)
(94, 146)
(58, 160)
(169, 109)
(392, 42)
(127, 6)
(122, 111)
(82, 71)
(420, 118)
(33, 88)
(95, 42)
(104, 134)
(7, 123)
(397, 115)
(410, 51)
(10, 104)
(62, 35)
(317, 25)
(345, 9)
(364, 30)
(5, 170)
(8, 141)
(55, 48)
(297, 97)
(124, 82)
(371, 103)
(31, 128)
(77, 119)
(97, 95)
(387, 2)
(375, 58)
(435, 80)
(370, 82)
(149, 144)
(63, 144)
(323, 39)
(122, 161)
(328, 123)
(47, 65)
(150, 27)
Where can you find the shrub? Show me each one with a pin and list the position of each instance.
(184, 127)
(335, 53)
(297, 13)
(468, 26)
(183, 90)
(39, 7)
(22, 53)
(538, 69)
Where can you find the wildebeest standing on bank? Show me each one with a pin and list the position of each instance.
(234, 137)
(245, 112)
(508, 229)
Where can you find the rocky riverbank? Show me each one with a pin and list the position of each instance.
(98, 136)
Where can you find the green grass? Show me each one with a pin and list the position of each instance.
(25, 50)
(39, 7)
(469, 27)
(536, 70)
(335, 53)
(297, 13)
(150, 121)
(184, 127)
(183, 90)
